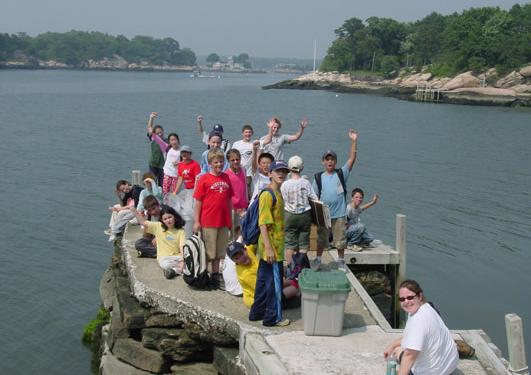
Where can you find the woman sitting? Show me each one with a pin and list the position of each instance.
(427, 347)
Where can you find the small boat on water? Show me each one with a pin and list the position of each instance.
(198, 74)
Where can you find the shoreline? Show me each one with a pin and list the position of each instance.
(463, 89)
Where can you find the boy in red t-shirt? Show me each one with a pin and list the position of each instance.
(212, 212)
(187, 170)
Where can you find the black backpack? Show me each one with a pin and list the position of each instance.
(341, 177)
(195, 272)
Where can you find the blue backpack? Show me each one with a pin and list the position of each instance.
(249, 223)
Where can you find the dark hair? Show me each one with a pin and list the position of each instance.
(179, 222)
(150, 201)
(414, 287)
(120, 183)
(157, 127)
(266, 155)
(233, 151)
(358, 190)
(247, 127)
(173, 135)
(148, 175)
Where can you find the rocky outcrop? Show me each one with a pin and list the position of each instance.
(466, 88)
(462, 80)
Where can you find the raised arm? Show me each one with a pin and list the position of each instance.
(353, 135)
(162, 145)
(141, 219)
(150, 122)
(199, 122)
(269, 137)
(302, 125)
(255, 155)
(371, 203)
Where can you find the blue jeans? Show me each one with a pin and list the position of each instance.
(357, 234)
(267, 294)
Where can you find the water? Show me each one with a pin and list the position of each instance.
(461, 174)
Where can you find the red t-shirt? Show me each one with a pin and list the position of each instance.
(188, 172)
(215, 193)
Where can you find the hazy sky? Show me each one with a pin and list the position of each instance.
(274, 28)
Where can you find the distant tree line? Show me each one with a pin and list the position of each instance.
(476, 39)
(75, 47)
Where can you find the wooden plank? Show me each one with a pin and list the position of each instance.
(490, 362)
(380, 255)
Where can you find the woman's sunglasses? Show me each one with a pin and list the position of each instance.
(409, 298)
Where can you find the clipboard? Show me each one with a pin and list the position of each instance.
(320, 214)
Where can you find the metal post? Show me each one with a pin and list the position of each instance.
(135, 177)
(515, 344)
(401, 274)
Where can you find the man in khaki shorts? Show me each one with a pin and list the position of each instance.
(331, 188)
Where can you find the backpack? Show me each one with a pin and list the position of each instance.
(299, 261)
(195, 272)
(249, 223)
(341, 177)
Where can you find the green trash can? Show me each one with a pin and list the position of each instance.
(323, 301)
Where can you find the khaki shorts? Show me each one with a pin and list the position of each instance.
(338, 234)
(216, 241)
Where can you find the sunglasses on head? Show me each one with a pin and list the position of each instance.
(409, 298)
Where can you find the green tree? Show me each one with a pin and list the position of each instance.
(213, 58)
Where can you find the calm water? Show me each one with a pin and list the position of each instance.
(461, 174)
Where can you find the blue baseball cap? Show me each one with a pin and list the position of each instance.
(330, 153)
(218, 128)
(278, 165)
(235, 248)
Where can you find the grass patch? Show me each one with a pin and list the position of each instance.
(102, 318)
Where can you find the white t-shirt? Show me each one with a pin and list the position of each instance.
(232, 285)
(246, 152)
(295, 194)
(425, 331)
(171, 157)
(260, 182)
(276, 147)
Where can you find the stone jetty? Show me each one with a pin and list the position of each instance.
(161, 326)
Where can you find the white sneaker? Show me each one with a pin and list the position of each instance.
(355, 248)
(112, 237)
(108, 232)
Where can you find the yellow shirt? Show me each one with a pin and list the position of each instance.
(169, 242)
(273, 217)
(247, 276)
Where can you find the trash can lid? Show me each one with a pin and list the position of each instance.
(323, 281)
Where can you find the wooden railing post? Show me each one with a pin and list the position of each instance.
(401, 274)
(135, 177)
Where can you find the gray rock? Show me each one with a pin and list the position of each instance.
(186, 349)
(526, 71)
(194, 369)
(107, 288)
(512, 79)
(132, 314)
(214, 336)
(134, 353)
(226, 361)
(466, 79)
(374, 282)
(151, 337)
(163, 320)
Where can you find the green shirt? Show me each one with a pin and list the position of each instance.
(156, 158)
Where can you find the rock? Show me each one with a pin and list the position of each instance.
(163, 320)
(194, 369)
(466, 79)
(374, 282)
(132, 314)
(186, 349)
(512, 79)
(522, 89)
(151, 337)
(526, 71)
(226, 361)
(110, 365)
(216, 337)
(134, 353)
(107, 289)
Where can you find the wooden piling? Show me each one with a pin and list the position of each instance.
(515, 344)
(135, 177)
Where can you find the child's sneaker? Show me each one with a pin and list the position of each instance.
(216, 281)
(316, 264)
(355, 248)
(282, 323)
(112, 237)
(108, 232)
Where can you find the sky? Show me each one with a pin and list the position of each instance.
(274, 28)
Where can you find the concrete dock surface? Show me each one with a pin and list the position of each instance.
(278, 350)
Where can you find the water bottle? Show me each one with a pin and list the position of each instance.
(391, 367)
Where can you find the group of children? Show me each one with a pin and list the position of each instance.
(222, 186)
